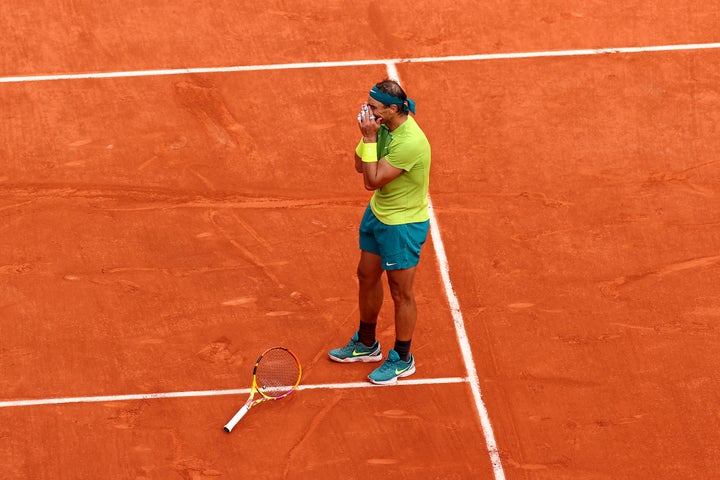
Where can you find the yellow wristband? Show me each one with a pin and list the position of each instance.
(369, 153)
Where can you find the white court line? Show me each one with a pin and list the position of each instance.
(356, 63)
(215, 393)
(464, 342)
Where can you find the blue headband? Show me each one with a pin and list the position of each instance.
(387, 99)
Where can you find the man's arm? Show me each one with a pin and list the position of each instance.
(377, 174)
(358, 164)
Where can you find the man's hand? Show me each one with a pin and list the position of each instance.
(369, 125)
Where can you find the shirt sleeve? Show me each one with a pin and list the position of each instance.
(404, 154)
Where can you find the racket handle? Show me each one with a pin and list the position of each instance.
(234, 420)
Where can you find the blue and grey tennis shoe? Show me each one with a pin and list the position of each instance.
(392, 369)
(356, 351)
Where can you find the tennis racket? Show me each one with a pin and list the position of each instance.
(276, 375)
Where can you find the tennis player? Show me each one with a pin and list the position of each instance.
(394, 160)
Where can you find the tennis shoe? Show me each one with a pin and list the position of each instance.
(392, 369)
(356, 351)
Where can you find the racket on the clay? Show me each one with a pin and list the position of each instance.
(276, 375)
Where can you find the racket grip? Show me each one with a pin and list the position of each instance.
(234, 420)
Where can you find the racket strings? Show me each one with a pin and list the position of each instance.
(277, 373)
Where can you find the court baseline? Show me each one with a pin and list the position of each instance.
(355, 63)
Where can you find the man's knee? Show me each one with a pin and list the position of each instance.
(401, 291)
(367, 273)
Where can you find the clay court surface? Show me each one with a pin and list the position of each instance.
(161, 227)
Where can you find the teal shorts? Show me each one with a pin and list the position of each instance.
(398, 245)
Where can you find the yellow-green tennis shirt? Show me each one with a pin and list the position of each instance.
(404, 199)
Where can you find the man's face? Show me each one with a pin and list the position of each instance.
(379, 110)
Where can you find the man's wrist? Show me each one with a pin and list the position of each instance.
(369, 152)
(359, 148)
